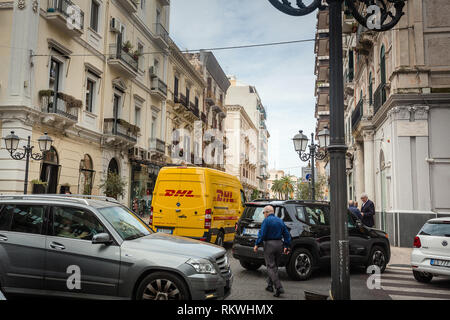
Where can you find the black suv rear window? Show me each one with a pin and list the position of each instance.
(438, 229)
(256, 213)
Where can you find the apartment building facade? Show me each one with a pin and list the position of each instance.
(241, 153)
(247, 96)
(215, 141)
(397, 99)
(186, 119)
(322, 87)
(93, 75)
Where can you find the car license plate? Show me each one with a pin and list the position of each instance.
(251, 232)
(440, 263)
(166, 231)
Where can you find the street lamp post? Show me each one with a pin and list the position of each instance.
(316, 152)
(376, 15)
(12, 144)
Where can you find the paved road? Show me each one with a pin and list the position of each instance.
(397, 283)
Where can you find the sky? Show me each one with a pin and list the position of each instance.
(283, 75)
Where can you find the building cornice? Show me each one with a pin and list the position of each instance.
(241, 110)
(177, 56)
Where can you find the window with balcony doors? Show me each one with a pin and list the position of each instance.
(142, 5)
(383, 65)
(55, 75)
(90, 91)
(175, 87)
(95, 9)
(196, 102)
(188, 93)
(370, 89)
(137, 115)
(140, 49)
(156, 67)
(158, 16)
(153, 128)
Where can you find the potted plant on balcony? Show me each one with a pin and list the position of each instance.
(127, 46)
(38, 186)
(136, 55)
(113, 186)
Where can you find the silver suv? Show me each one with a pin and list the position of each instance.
(73, 246)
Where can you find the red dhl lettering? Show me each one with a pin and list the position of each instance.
(180, 193)
(225, 196)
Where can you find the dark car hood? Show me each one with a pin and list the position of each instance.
(169, 244)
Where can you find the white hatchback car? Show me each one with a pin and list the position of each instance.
(431, 254)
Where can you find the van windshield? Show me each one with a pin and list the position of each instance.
(438, 229)
(126, 224)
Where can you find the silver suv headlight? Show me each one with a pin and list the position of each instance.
(202, 266)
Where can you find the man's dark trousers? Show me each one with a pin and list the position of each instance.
(272, 255)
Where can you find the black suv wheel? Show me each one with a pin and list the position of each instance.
(301, 264)
(378, 258)
(250, 265)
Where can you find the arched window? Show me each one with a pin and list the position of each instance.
(87, 173)
(113, 166)
(50, 169)
(370, 89)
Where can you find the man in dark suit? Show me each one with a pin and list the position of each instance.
(367, 211)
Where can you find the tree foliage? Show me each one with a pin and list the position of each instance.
(304, 189)
(114, 186)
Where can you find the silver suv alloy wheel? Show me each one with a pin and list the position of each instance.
(161, 289)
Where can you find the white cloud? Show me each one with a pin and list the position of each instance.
(283, 75)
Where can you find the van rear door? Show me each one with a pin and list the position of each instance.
(165, 201)
(191, 203)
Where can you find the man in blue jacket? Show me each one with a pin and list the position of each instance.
(354, 210)
(272, 231)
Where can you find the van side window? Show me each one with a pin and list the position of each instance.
(22, 218)
(75, 223)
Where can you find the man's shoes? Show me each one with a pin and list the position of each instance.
(278, 292)
(269, 288)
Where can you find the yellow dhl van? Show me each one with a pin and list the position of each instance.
(198, 203)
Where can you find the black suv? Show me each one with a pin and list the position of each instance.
(309, 225)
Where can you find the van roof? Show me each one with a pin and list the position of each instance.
(192, 169)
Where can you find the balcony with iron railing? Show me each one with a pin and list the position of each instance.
(157, 145)
(379, 98)
(61, 104)
(130, 5)
(357, 114)
(66, 15)
(161, 33)
(123, 60)
(158, 86)
(194, 109)
(121, 129)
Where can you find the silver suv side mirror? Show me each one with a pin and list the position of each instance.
(101, 238)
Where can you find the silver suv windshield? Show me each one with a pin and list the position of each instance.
(126, 224)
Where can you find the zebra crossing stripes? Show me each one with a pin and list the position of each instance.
(399, 284)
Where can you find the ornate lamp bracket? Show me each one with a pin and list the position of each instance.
(376, 15)
(299, 10)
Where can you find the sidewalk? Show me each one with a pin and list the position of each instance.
(400, 257)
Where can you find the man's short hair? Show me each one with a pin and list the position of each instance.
(351, 203)
(364, 195)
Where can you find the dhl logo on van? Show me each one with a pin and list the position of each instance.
(225, 196)
(180, 193)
